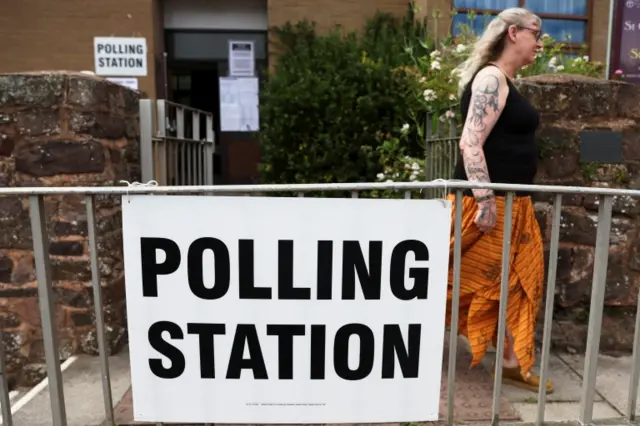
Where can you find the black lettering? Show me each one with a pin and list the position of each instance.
(100, 47)
(325, 269)
(371, 279)
(246, 277)
(246, 335)
(318, 350)
(138, 63)
(420, 275)
(341, 351)
(150, 266)
(139, 49)
(174, 354)
(285, 333)
(408, 354)
(286, 290)
(222, 268)
(206, 333)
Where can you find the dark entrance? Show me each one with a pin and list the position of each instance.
(196, 60)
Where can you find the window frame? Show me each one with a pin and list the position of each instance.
(569, 47)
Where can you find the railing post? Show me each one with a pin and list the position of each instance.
(162, 147)
(45, 301)
(5, 399)
(98, 309)
(502, 315)
(210, 151)
(146, 139)
(549, 305)
(455, 307)
(200, 148)
(600, 263)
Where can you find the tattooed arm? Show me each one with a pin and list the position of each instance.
(489, 94)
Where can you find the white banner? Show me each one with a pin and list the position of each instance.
(285, 310)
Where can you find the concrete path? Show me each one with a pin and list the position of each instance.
(563, 404)
(83, 391)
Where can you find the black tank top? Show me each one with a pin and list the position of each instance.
(510, 149)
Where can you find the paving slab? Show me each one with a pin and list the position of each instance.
(567, 383)
(612, 380)
(564, 411)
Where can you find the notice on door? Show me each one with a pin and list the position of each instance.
(239, 104)
(241, 58)
(120, 56)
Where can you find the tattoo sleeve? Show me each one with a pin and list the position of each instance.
(484, 111)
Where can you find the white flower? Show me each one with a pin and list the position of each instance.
(450, 114)
(560, 68)
(429, 95)
(586, 58)
(435, 65)
(423, 79)
(452, 97)
(461, 48)
(413, 176)
(388, 180)
(405, 128)
(435, 54)
(380, 176)
(553, 61)
(442, 118)
(415, 167)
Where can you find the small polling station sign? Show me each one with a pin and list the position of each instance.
(285, 310)
(120, 56)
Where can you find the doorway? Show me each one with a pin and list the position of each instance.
(196, 85)
(195, 62)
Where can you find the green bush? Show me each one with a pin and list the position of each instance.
(332, 99)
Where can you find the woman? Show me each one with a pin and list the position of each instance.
(498, 145)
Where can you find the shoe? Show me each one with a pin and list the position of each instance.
(529, 380)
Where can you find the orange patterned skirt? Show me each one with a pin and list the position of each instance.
(480, 278)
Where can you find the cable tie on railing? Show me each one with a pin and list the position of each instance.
(445, 203)
(136, 183)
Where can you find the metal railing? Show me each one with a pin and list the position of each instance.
(176, 144)
(441, 149)
(412, 190)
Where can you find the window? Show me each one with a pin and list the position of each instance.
(567, 21)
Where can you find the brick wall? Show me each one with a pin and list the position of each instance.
(59, 129)
(58, 34)
(351, 14)
(599, 30)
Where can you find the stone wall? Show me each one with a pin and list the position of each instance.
(62, 129)
(569, 105)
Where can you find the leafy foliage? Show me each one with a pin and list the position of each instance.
(352, 106)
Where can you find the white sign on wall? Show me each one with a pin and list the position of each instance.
(242, 61)
(120, 56)
(131, 83)
(285, 310)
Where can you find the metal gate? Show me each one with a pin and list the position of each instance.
(177, 144)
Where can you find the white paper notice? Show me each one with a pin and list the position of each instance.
(241, 58)
(239, 104)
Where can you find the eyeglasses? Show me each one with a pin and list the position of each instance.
(536, 32)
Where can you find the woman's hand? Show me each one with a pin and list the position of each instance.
(487, 216)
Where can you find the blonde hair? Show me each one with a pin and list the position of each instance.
(491, 44)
